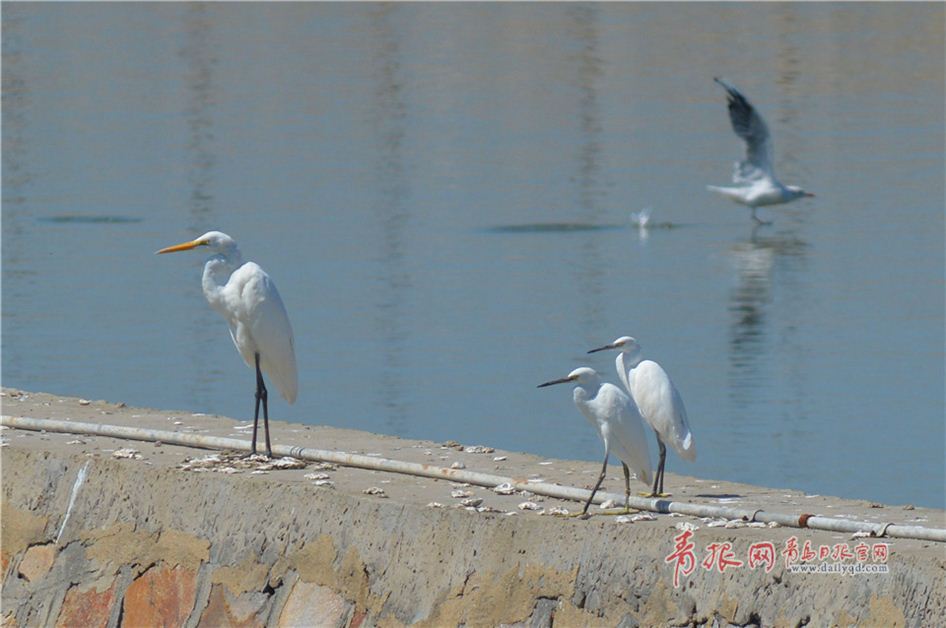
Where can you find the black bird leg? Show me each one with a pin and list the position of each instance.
(627, 487)
(604, 470)
(261, 395)
(659, 476)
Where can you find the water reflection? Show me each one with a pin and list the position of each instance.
(588, 72)
(764, 264)
(16, 106)
(198, 83)
(388, 120)
(16, 178)
(787, 63)
(199, 60)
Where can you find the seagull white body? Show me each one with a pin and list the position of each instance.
(246, 297)
(657, 399)
(754, 177)
(617, 420)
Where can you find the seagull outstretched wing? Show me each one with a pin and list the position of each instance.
(749, 125)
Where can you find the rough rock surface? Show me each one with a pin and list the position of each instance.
(149, 541)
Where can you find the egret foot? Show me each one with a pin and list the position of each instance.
(660, 495)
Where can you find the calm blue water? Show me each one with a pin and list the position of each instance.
(442, 194)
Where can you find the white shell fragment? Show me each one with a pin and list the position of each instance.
(529, 506)
(504, 489)
(498, 458)
(635, 518)
(235, 462)
(560, 512)
(610, 503)
(284, 463)
(326, 483)
(435, 505)
(478, 449)
(316, 476)
(472, 502)
(686, 525)
(127, 452)
(458, 494)
(374, 490)
(84, 402)
(458, 465)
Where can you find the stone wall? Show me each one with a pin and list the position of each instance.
(146, 545)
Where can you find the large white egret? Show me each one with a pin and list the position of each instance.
(247, 299)
(618, 422)
(754, 177)
(658, 401)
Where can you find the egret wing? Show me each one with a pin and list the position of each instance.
(268, 323)
(627, 434)
(662, 407)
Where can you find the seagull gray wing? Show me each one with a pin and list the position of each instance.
(751, 128)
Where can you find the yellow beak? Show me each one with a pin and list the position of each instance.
(184, 246)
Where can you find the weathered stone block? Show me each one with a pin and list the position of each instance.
(227, 610)
(314, 605)
(87, 607)
(37, 561)
(160, 597)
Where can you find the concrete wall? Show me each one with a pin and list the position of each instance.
(147, 545)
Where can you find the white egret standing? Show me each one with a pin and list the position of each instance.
(247, 299)
(618, 422)
(658, 401)
(754, 176)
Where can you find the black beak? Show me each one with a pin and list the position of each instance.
(563, 380)
(604, 348)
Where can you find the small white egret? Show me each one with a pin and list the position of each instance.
(658, 401)
(754, 176)
(247, 299)
(618, 422)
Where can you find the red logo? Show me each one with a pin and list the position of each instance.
(682, 556)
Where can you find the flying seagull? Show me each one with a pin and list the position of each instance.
(754, 176)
